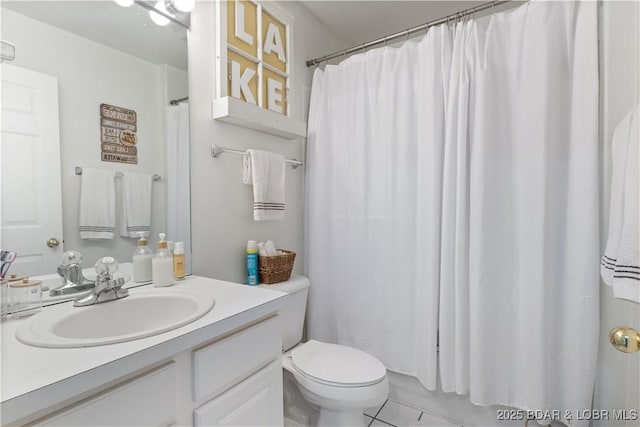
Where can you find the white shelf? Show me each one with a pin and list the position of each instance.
(236, 112)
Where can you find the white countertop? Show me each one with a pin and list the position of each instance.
(32, 375)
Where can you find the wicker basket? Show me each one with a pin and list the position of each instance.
(276, 268)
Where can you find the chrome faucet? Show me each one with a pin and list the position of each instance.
(107, 288)
(70, 272)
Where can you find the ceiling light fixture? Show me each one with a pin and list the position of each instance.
(124, 3)
(157, 17)
(184, 6)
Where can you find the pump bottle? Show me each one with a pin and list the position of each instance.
(142, 257)
(162, 264)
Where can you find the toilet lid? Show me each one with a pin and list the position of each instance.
(337, 364)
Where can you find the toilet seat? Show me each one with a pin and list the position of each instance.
(337, 365)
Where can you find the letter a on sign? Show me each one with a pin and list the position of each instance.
(240, 83)
(273, 42)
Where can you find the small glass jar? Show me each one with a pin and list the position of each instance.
(25, 298)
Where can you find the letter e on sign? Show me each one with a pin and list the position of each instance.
(274, 92)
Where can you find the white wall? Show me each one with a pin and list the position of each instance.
(176, 86)
(618, 381)
(90, 74)
(221, 205)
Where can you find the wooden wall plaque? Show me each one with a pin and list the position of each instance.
(118, 137)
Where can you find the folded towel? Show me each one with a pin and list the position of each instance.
(619, 149)
(621, 262)
(626, 277)
(261, 250)
(265, 171)
(97, 204)
(270, 249)
(135, 215)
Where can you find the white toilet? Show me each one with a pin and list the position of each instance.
(341, 381)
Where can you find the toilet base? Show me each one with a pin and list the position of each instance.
(329, 418)
(338, 406)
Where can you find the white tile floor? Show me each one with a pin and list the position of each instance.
(396, 414)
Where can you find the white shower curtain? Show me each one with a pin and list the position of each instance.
(452, 186)
(373, 220)
(178, 185)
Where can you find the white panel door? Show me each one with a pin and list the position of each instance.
(30, 174)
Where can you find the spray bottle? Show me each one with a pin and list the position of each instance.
(252, 262)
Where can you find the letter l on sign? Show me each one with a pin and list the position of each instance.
(240, 32)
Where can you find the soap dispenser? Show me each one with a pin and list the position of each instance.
(142, 257)
(162, 264)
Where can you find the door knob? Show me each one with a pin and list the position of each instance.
(53, 242)
(625, 339)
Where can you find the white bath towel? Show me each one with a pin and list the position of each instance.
(619, 148)
(621, 262)
(626, 277)
(265, 171)
(97, 216)
(135, 215)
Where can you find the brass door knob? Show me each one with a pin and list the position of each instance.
(53, 242)
(625, 339)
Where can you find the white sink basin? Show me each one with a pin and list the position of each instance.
(142, 314)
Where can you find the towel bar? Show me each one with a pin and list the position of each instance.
(156, 177)
(216, 150)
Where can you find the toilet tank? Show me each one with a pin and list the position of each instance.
(295, 306)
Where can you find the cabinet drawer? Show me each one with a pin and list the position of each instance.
(147, 400)
(257, 401)
(222, 364)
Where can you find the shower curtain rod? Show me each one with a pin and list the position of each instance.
(405, 33)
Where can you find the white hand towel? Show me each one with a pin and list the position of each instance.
(626, 277)
(265, 171)
(270, 247)
(97, 204)
(619, 149)
(135, 214)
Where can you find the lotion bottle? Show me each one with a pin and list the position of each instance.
(162, 264)
(142, 257)
(178, 261)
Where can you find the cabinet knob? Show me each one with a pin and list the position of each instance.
(625, 339)
(53, 242)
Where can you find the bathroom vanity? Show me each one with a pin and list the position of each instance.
(222, 369)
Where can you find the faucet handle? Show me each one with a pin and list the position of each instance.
(70, 258)
(106, 268)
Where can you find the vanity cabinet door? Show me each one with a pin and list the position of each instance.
(149, 399)
(257, 401)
